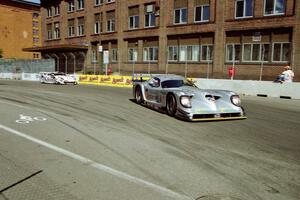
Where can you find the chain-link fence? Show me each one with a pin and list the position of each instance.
(26, 66)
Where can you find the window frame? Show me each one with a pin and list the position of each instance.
(71, 29)
(274, 9)
(80, 30)
(97, 27)
(134, 17)
(114, 55)
(49, 34)
(210, 60)
(80, 5)
(56, 10)
(149, 20)
(56, 31)
(251, 53)
(227, 53)
(180, 15)
(244, 11)
(71, 6)
(173, 55)
(281, 52)
(133, 50)
(202, 7)
(49, 12)
(155, 53)
(98, 2)
(110, 25)
(186, 49)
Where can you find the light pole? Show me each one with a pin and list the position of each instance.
(262, 62)
(233, 62)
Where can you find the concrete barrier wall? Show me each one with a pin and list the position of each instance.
(30, 77)
(242, 87)
(253, 88)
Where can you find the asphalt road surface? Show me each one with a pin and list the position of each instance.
(94, 143)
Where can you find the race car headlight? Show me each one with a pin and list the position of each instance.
(235, 99)
(185, 101)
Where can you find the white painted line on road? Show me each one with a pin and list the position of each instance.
(101, 167)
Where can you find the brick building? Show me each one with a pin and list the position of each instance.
(197, 38)
(19, 28)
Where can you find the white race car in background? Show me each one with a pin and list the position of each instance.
(58, 78)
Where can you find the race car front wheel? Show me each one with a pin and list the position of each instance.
(171, 105)
(138, 95)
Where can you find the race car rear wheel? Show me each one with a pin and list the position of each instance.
(171, 105)
(138, 95)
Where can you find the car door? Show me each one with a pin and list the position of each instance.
(153, 90)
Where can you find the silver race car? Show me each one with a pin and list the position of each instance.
(58, 78)
(181, 98)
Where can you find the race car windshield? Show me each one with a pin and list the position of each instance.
(176, 83)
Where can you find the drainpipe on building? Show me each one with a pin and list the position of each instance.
(167, 66)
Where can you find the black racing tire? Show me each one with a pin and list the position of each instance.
(138, 95)
(171, 105)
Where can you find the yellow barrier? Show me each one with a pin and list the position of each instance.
(114, 81)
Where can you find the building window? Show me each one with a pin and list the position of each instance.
(97, 27)
(255, 52)
(114, 55)
(98, 2)
(281, 52)
(243, 8)
(111, 25)
(173, 53)
(274, 7)
(110, 1)
(56, 10)
(36, 56)
(207, 52)
(94, 56)
(71, 28)
(71, 31)
(71, 6)
(149, 16)
(149, 20)
(151, 54)
(132, 54)
(189, 53)
(98, 23)
(202, 13)
(233, 52)
(110, 22)
(80, 4)
(49, 12)
(56, 30)
(134, 22)
(49, 31)
(80, 27)
(180, 16)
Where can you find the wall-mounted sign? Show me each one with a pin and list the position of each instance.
(105, 57)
